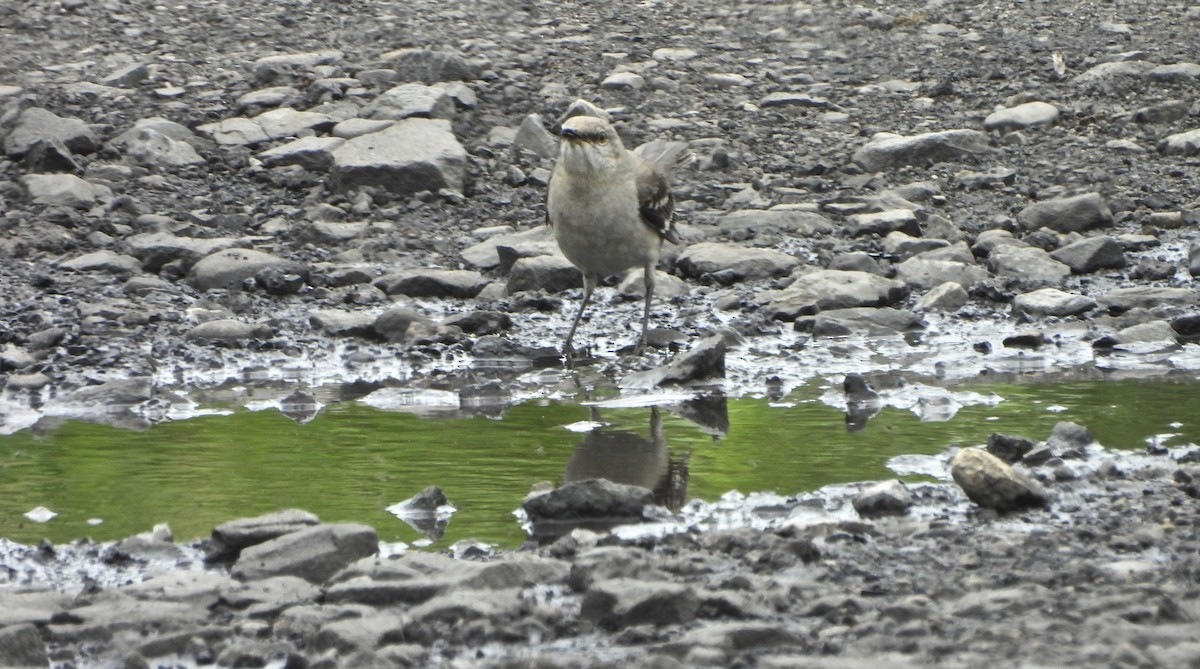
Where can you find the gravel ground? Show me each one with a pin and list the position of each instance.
(1043, 209)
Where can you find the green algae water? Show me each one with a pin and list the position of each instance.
(351, 461)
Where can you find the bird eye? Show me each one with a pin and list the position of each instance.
(602, 139)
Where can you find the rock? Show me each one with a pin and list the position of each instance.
(313, 553)
(791, 99)
(1181, 144)
(103, 261)
(35, 125)
(1010, 449)
(343, 323)
(921, 273)
(1067, 214)
(156, 249)
(50, 155)
(704, 361)
(1021, 117)
(992, 484)
(888, 151)
(64, 190)
(627, 81)
(411, 156)
(734, 263)
(532, 136)
(1103, 73)
(270, 68)
(154, 149)
(889, 498)
(229, 331)
(1068, 436)
(267, 126)
(21, 647)
(480, 322)
(883, 223)
(1183, 73)
(358, 634)
(231, 267)
(747, 224)
(551, 273)
(903, 246)
(394, 324)
(1091, 254)
(592, 499)
(1051, 302)
(1194, 260)
(536, 241)
(159, 125)
(459, 283)
(626, 602)
(274, 96)
(949, 296)
(518, 573)
(873, 321)
(314, 154)
(429, 65)
(1027, 266)
(1120, 300)
(410, 100)
(822, 290)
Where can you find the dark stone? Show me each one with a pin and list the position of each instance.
(597, 499)
(1008, 448)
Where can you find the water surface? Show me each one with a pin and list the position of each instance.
(352, 461)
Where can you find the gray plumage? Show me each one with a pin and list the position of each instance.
(610, 210)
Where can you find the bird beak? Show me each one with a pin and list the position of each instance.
(569, 133)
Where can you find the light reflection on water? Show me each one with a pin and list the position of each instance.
(348, 462)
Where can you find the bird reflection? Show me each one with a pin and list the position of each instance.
(862, 402)
(622, 456)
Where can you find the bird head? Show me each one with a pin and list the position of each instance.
(589, 144)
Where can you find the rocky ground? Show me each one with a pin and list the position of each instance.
(352, 192)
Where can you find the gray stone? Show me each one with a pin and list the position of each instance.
(1182, 73)
(988, 240)
(1067, 214)
(274, 96)
(1181, 144)
(229, 330)
(312, 153)
(704, 361)
(1066, 435)
(1194, 260)
(395, 324)
(948, 296)
(428, 65)
(21, 647)
(15, 357)
(103, 261)
(1021, 117)
(314, 553)
(781, 219)
(460, 606)
(1027, 266)
(411, 156)
(623, 81)
(883, 222)
(551, 273)
(228, 539)
(357, 127)
(460, 283)
(1091, 254)
(1148, 297)
(736, 263)
(30, 381)
(791, 99)
(532, 136)
(267, 126)
(889, 498)
(356, 634)
(269, 68)
(152, 148)
(231, 267)
(1099, 75)
(991, 483)
(821, 290)
(591, 499)
(162, 126)
(535, 241)
(408, 101)
(156, 249)
(874, 321)
(903, 246)
(888, 151)
(624, 602)
(40, 125)
(64, 190)
(1051, 302)
(389, 592)
(519, 573)
(343, 322)
(923, 273)
(130, 75)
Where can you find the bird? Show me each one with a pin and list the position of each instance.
(610, 210)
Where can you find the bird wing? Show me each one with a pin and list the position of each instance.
(655, 201)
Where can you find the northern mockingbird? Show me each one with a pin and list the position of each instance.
(610, 210)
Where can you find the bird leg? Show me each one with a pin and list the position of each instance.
(589, 285)
(648, 280)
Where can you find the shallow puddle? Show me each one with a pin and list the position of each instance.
(352, 460)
